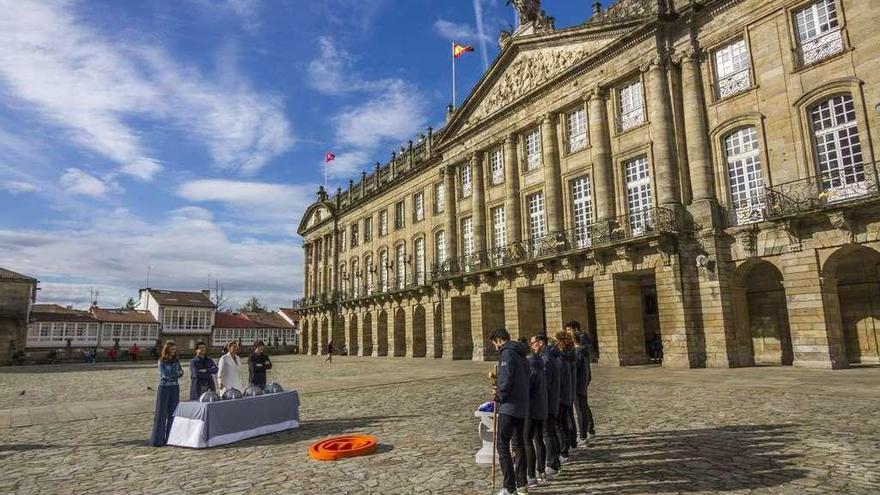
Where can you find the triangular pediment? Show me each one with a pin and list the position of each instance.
(315, 215)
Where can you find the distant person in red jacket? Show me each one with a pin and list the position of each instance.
(134, 350)
(112, 353)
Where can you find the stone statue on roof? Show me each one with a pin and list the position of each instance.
(529, 11)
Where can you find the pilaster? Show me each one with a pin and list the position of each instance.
(552, 175)
(660, 115)
(478, 201)
(512, 209)
(600, 140)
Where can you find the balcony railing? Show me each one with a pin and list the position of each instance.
(634, 225)
(849, 184)
(821, 47)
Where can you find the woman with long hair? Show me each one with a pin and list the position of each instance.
(167, 394)
(568, 381)
(229, 373)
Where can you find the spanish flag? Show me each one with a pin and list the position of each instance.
(459, 50)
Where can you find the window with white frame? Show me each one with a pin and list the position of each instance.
(383, 222)
(439, 197)
(639, 199)
(464, 181)
(358, 280)
(440, 246)
(383, 270)
(532, 148)
(838, 149)
(368, 229)
(537, 222)
(368, 270)
(630, 105)
(582, 209)
(49, 334)
(818, 31)
(499, 230)
(418, 206)
(732, 69)
(401, 266)
(496, 166)
(399, 215)
(744, 177)
(467, 236)
(419, 248)
(576, 123)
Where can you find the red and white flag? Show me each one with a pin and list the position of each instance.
(329, 157)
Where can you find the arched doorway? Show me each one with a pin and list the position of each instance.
(367, 335)
(762, 315)
(325, 335)
(856, 270)
(438, 331)
(304, 337)
(419, 332)
(399, 332)
(352, 335)
(382, 334)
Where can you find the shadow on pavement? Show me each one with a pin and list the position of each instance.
(706, 460)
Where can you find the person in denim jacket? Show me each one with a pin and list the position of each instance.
(167, 394)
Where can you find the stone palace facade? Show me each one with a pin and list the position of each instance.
(698, 174)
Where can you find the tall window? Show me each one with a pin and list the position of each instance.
(354, 234)
(358, 278)
(368, 271)
(818, 31)
(467, 236)
(343, 276)
(499, 232)
(576, 122)
(383, 270)
(638, 194)
(439, 197)
(496, 166)
(401, 266)
(383, 222)
(419, 248)
(630, 106)
(732, 69)
(744, 175)
(399, 215)
(464, 181)
(368, 229)
(440, 247)
(418, 206)
(537, 225)
(582, 209)
(340, 239)
(532, 145)
(838, 150)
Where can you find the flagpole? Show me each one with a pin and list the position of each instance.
(453, 75)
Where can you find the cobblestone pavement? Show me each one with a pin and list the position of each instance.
(756, 430)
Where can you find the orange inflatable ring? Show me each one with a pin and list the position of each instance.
(335, 448)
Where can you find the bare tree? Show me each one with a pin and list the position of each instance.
(219, 298)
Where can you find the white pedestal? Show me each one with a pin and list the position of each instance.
(486, 431)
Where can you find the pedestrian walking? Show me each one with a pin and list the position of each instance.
(329, 352)
(565, 418)
(586, 426)
(512, 399)
(167, 394)
(552, 370)
(534, 426)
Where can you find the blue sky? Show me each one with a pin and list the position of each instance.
(187, 136)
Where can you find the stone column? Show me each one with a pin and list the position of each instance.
(512, 210)
(699, 157)
(660, 115)
(606, 319)
(552, 179)
(451, 217)
(478, 202)
(335, 273)
(430, 349)
(600, 140)
(306, 267)
(477, 327)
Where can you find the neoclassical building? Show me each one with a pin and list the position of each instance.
(698, 174)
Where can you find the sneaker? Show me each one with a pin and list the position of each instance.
(531, 481)
(582, 442)
(550, 474)
(591, 434)
(541, 478)
(563, 459)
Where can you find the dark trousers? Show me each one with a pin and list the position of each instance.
(199, 387)
(584, 417)
(167, 397)
(566, 425)
(535, 452)
(551, 442)
(259, 379)
(510, 434)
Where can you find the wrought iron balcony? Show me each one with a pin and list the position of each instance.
(821, 47)
(643, 223)
(851, 184)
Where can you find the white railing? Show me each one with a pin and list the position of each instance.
(821, 47)
(734, 83)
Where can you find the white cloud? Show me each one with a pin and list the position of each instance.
(18, 187)
(185, 251)
(255, 201)
(76, 181)
(92, 85)
(327, 73)
(459, 33)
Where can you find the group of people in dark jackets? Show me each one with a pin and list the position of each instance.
(540, 385)
(203, 370)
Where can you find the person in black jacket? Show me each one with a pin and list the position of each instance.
(566, 393)
(258, 364)
(512, 408)
(586, 427)
(201, 371)
(534, 427)
(552, 366)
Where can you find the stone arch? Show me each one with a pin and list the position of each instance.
(419, 332)
(399, 332)
(367, 335)
(851, 277)
(382, 334)
(438, 331)
(352, 341)
(325, 335)
(761, 315)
